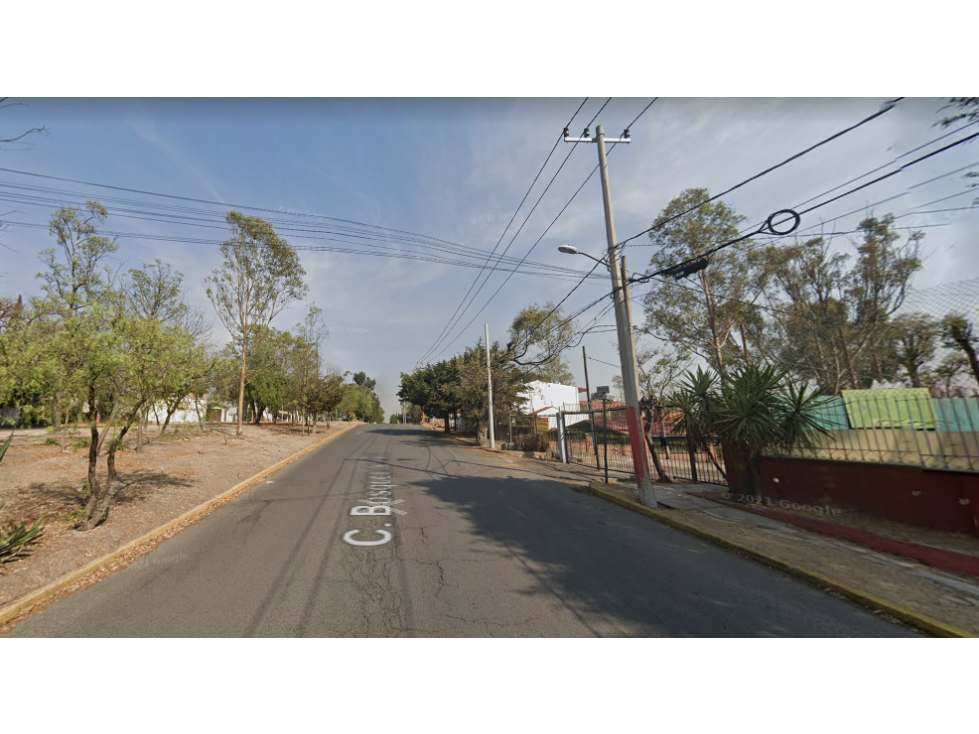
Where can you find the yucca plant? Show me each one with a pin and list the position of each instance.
(14, 540)
(760, 409)
(756, 409)
(695, 401)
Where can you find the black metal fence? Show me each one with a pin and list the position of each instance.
(600, 438)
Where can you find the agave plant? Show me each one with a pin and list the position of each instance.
(756, 409)
(696, 401)
(15, 540)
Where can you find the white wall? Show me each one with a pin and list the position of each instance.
(548, 394)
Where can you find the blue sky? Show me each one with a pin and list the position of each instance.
(456, 169)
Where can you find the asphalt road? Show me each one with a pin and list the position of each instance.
(484, 547)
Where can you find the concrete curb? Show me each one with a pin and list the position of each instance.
(30, 603)
(931, 626)
(936, 557)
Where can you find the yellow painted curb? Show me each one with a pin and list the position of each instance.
(27, 603)
(934, 627)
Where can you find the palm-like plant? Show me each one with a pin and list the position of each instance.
(696, 401)
(757, 409)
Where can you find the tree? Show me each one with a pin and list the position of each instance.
(958, 333)
(155, 293)
(538, 336)
(432, 388)
(966, 108)
(305, 364)
(267, 386)
(830, 320)
(6, 104)
(471, 390)
(913, 343)
(261, 276)
(361, 378)
(76, 279)
(946, 372)
(328, 392)
(703, 318)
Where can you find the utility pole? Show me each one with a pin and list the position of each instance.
(623, 323)
(591, 410)
(489, 385)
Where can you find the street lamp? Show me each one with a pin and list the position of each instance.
(572, 250)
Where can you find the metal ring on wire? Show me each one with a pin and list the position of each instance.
(796, 220)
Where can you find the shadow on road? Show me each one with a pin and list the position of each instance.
(614, 569)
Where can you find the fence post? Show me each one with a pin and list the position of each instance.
(562, 438)
(605, 435)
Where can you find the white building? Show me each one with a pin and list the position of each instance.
(547, 399)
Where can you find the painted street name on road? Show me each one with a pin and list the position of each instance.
(378, 503)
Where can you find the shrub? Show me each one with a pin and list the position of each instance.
(15, 539)
(533, 442)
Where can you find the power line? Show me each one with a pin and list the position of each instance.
(302, 232)
(887, 107)
(864, 175)
(380, 252)
(211, 219)
(573, 196)
(707, 253)
(526, 219)
(212, 203)
(455, 316)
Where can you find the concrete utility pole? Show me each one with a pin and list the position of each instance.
(623, 324)
(489, 385)
(591, 410)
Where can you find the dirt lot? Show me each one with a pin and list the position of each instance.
(168, 477)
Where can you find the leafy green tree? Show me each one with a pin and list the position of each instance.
(830, 320)
(304, 365)
(538, 336)
(471, 391)
(261, 276)
(328, 392)
(155, 293)
(432, 388)
(268, 382)
(705, 317)
(361, 378)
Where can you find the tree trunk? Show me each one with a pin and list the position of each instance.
(241, 387)
(447, 429)
(970, 354)
(139, 436)
(648, 416)
(171, 409)
(848, 361)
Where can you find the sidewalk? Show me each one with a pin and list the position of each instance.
(941, 602)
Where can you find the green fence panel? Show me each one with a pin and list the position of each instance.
(957, 415)
(890, 408)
